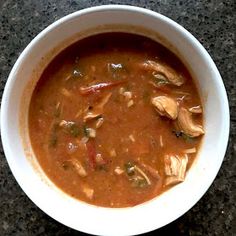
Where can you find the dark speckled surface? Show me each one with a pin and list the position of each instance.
(212, 23)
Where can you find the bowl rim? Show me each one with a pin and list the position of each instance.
(103, 8)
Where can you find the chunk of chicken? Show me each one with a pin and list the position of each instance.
(78, 167)
(196, 110)
(98, 109)
(118, 170)
(165, 106)
(89, 192)
(170, 74)
(175, 168)
(186, 124)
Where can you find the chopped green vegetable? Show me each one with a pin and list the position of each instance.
(74, 130)
(70, 127)
(188, 138)
(138, 182)
(77, 74)
(98, 117)
(160, 79)
(101, 168)
(129, 168)
(117, 70)
(134, 175)
(65, 166)
(53, 136)
(85, 131)
(183, 135)
(177, 133)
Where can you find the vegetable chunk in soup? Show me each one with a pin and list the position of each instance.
(115, 120)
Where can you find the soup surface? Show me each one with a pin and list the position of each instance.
(115, 120)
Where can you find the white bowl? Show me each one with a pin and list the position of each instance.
(79, 215)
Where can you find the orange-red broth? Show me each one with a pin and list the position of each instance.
(132, 133)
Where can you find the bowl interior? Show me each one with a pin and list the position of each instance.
(81, 216)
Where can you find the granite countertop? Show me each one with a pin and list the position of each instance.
(212, 22)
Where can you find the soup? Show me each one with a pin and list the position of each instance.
(115, 120)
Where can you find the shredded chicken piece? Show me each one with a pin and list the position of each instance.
(91, 132)
(196, 109)
(58, 105)
(79, 168)
(171, 75)
(98, 109)
(165, 106)
(161, 141)
(89, 192)
(186, 124)
(153, 172)
(121, 90)
(118, 170)
(65, 124)
(130, 103)
(99, 123)
(99, 159)
(175, 168)
(131, 137)
(190, 150)
(127, 95)
(143, 174)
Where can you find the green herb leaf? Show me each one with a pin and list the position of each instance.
(184, 136)
(129, 168)
(98, 117)
(188, 138)
(65, 166)
(160, 79)
(101, 168)
(177, 133)
(85, 131)
(77, 74)
(70, 127)
(53, 136)
(117, 70)
(74, 130)
(138, 182)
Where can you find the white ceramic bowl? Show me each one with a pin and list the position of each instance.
(97, 220)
